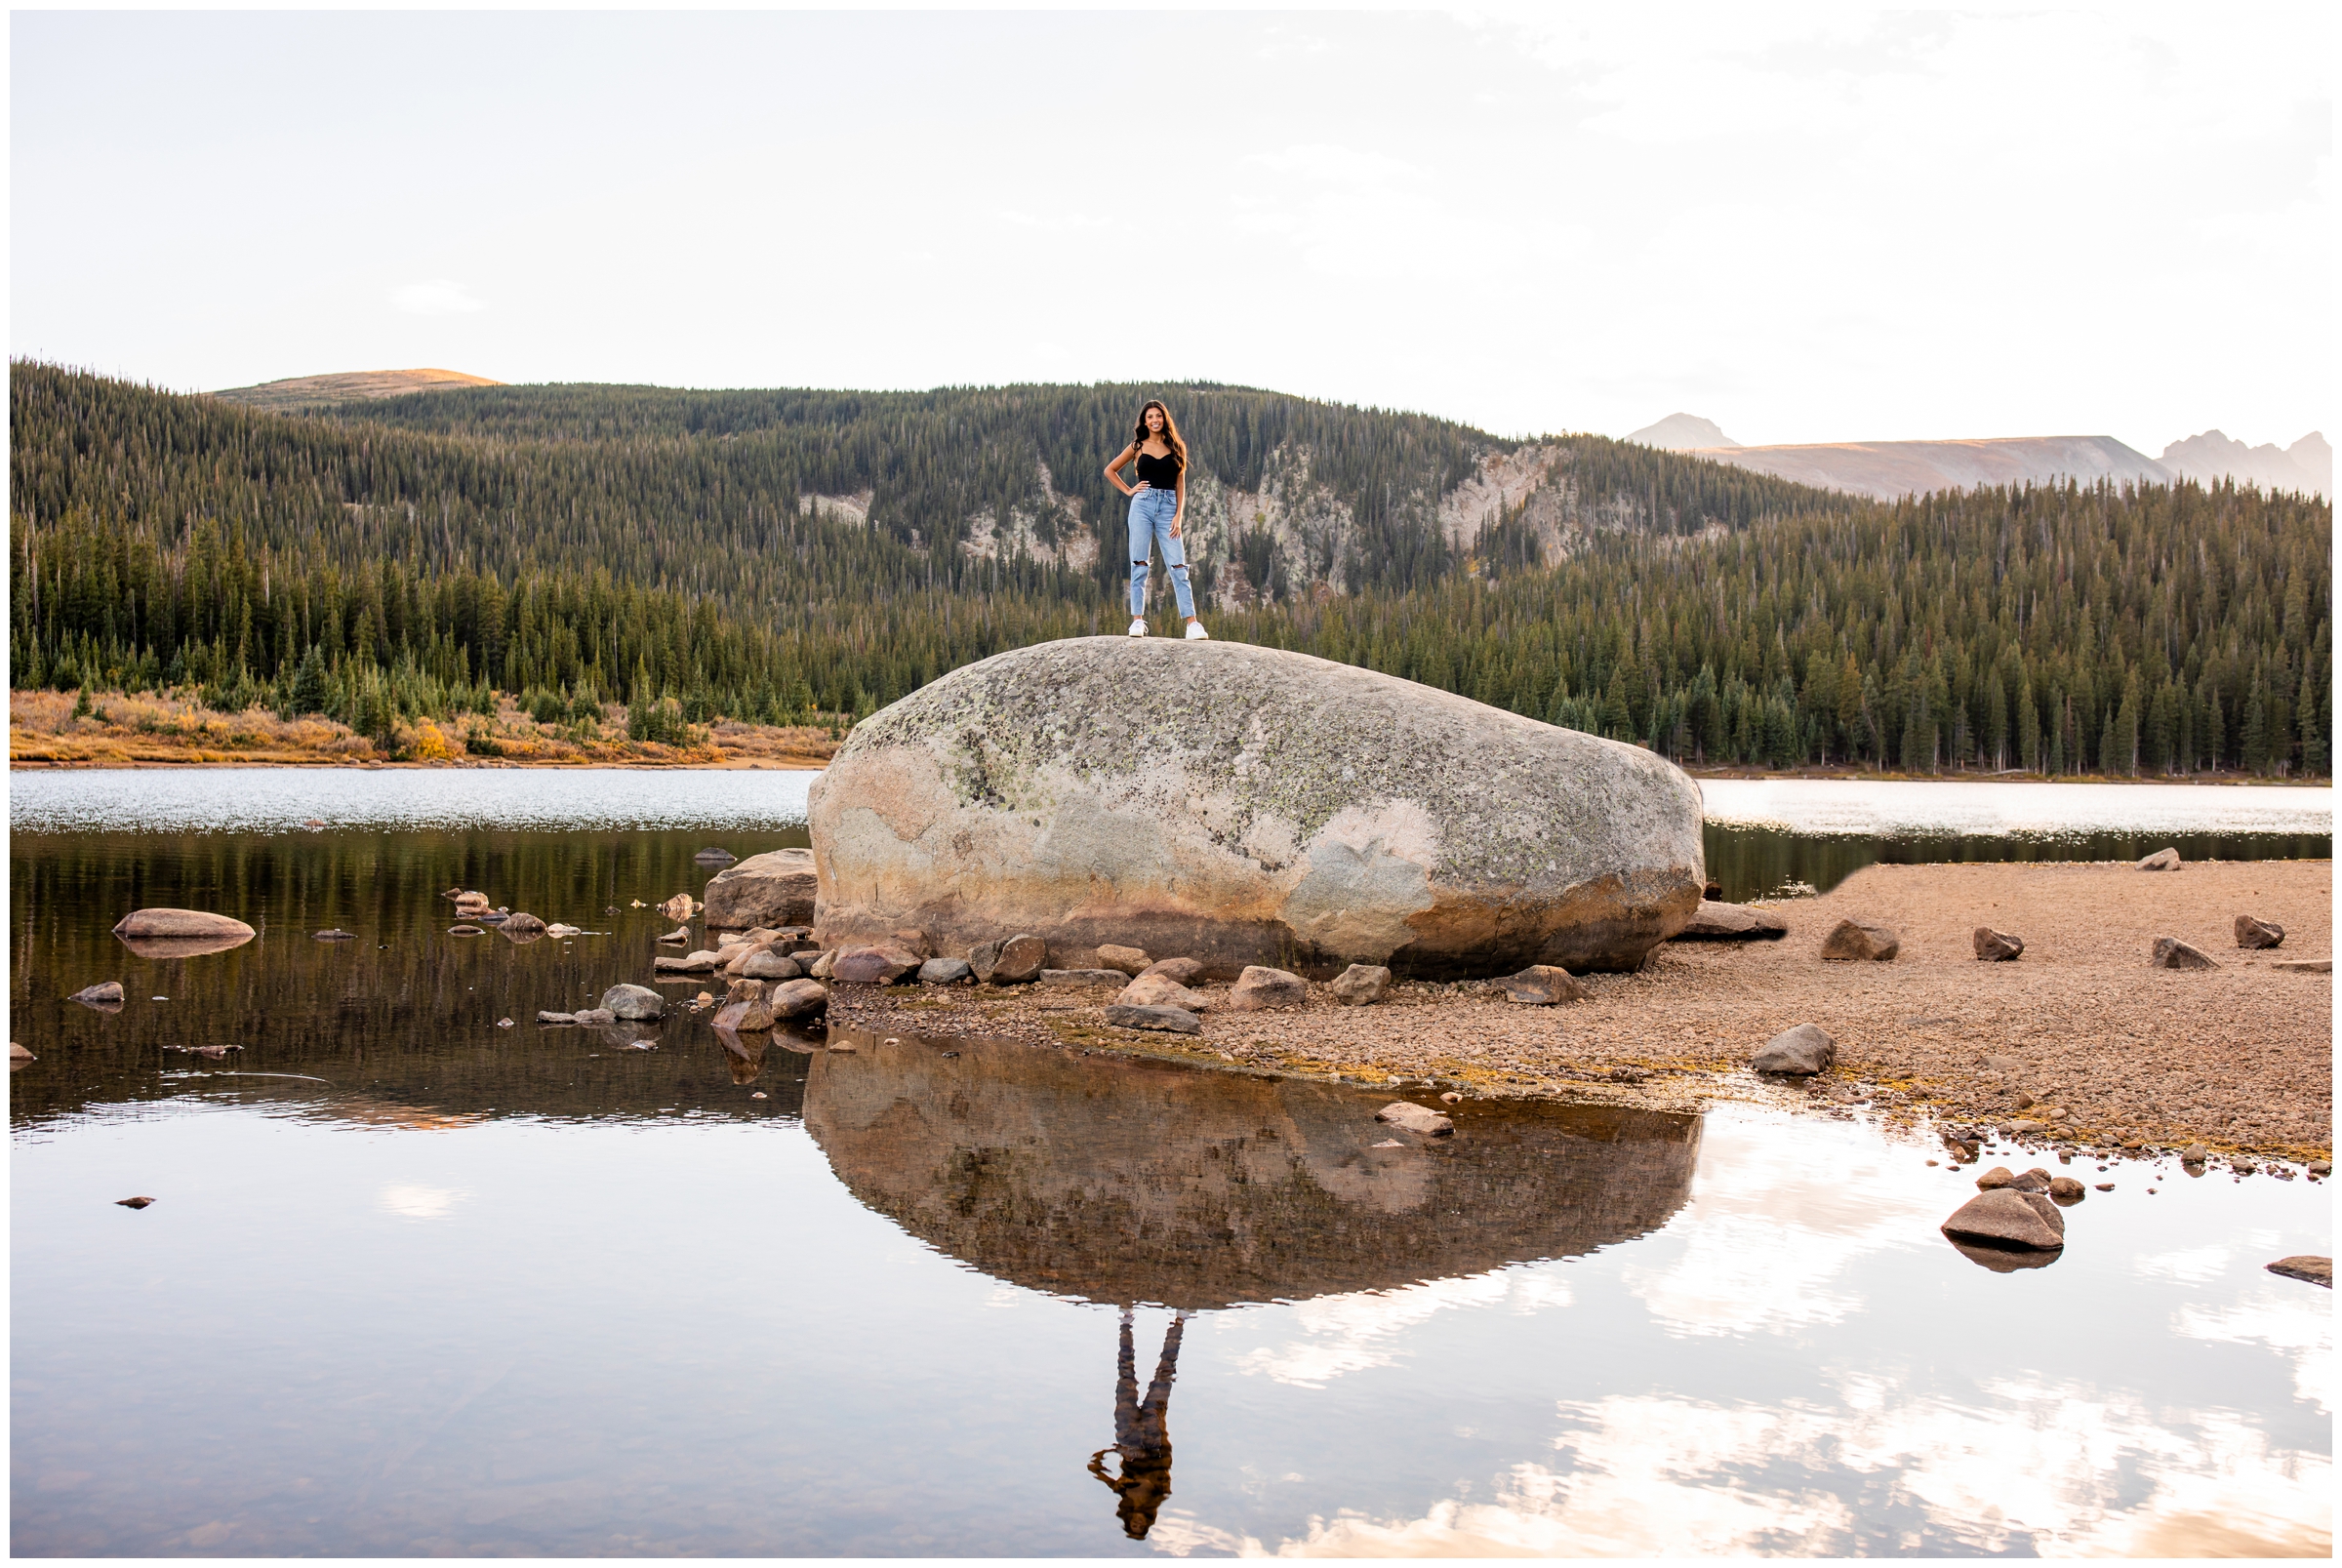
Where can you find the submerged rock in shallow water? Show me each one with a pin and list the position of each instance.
(1332, 816)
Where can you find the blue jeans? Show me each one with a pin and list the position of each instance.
(1150, 514)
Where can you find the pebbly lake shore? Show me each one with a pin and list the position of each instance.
(2239, 1057)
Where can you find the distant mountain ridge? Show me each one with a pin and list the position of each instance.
(2306, 465)
(1683, 432)
(299, 392)
(1890, 469)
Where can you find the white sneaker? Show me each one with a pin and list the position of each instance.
(1196, 633)
(1138, 628)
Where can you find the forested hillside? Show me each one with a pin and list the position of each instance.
(765, 554)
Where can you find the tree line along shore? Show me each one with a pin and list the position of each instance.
(642, 573)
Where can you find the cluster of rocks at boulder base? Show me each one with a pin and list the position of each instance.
(1012, 962)
(1799, 1053)
(1856, 941)
(2163, 860)
(1261, 989)
(1732, 922)
(1259, 806)
(2252, 933)
(1360, 985)
(2172, 953)
(1998, 946)
(1543, 986)
(1151, 989)
(766, 964)
(773, 889)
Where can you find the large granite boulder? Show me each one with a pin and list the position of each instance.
(773, 889)
(1247, 806)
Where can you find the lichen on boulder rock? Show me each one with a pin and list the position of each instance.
(1248, 806)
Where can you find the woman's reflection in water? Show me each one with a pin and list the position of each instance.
(1142, 1436)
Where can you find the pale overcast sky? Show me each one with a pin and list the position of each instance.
(1806, 225)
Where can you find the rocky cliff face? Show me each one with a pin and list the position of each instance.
(1246, 805)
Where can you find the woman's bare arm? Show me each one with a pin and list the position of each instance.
(1179, 513)
(1113, 469)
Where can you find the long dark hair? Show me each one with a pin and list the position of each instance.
(1179, 445)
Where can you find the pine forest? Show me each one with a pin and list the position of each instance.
(805, 558)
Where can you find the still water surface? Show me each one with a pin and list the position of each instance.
(415, 1283)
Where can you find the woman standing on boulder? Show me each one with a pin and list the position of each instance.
(1158, 509)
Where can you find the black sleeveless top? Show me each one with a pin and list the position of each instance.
(1161, 472)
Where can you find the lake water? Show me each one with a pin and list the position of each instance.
(417, 1284)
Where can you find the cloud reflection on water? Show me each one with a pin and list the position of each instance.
(2048, 1472)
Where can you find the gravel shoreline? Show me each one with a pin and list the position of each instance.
(2238, 1058)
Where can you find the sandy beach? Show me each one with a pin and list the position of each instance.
(2239, 1057)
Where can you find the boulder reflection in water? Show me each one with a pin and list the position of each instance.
(1130, 1181)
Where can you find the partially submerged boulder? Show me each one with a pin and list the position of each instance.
(2005, 1217)
(2252, 933)
(1732, 922)
(2172, 953)
(796, 999)
(1858, 940)
(772, 888)
(181, 933)
(2312, 1270)
(633, 1002)
(1800, 1053)
(105, 996)
(1333, 816)
(745, 1007)
(1415, 1118)
(2163, 860)
(1996, 946)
